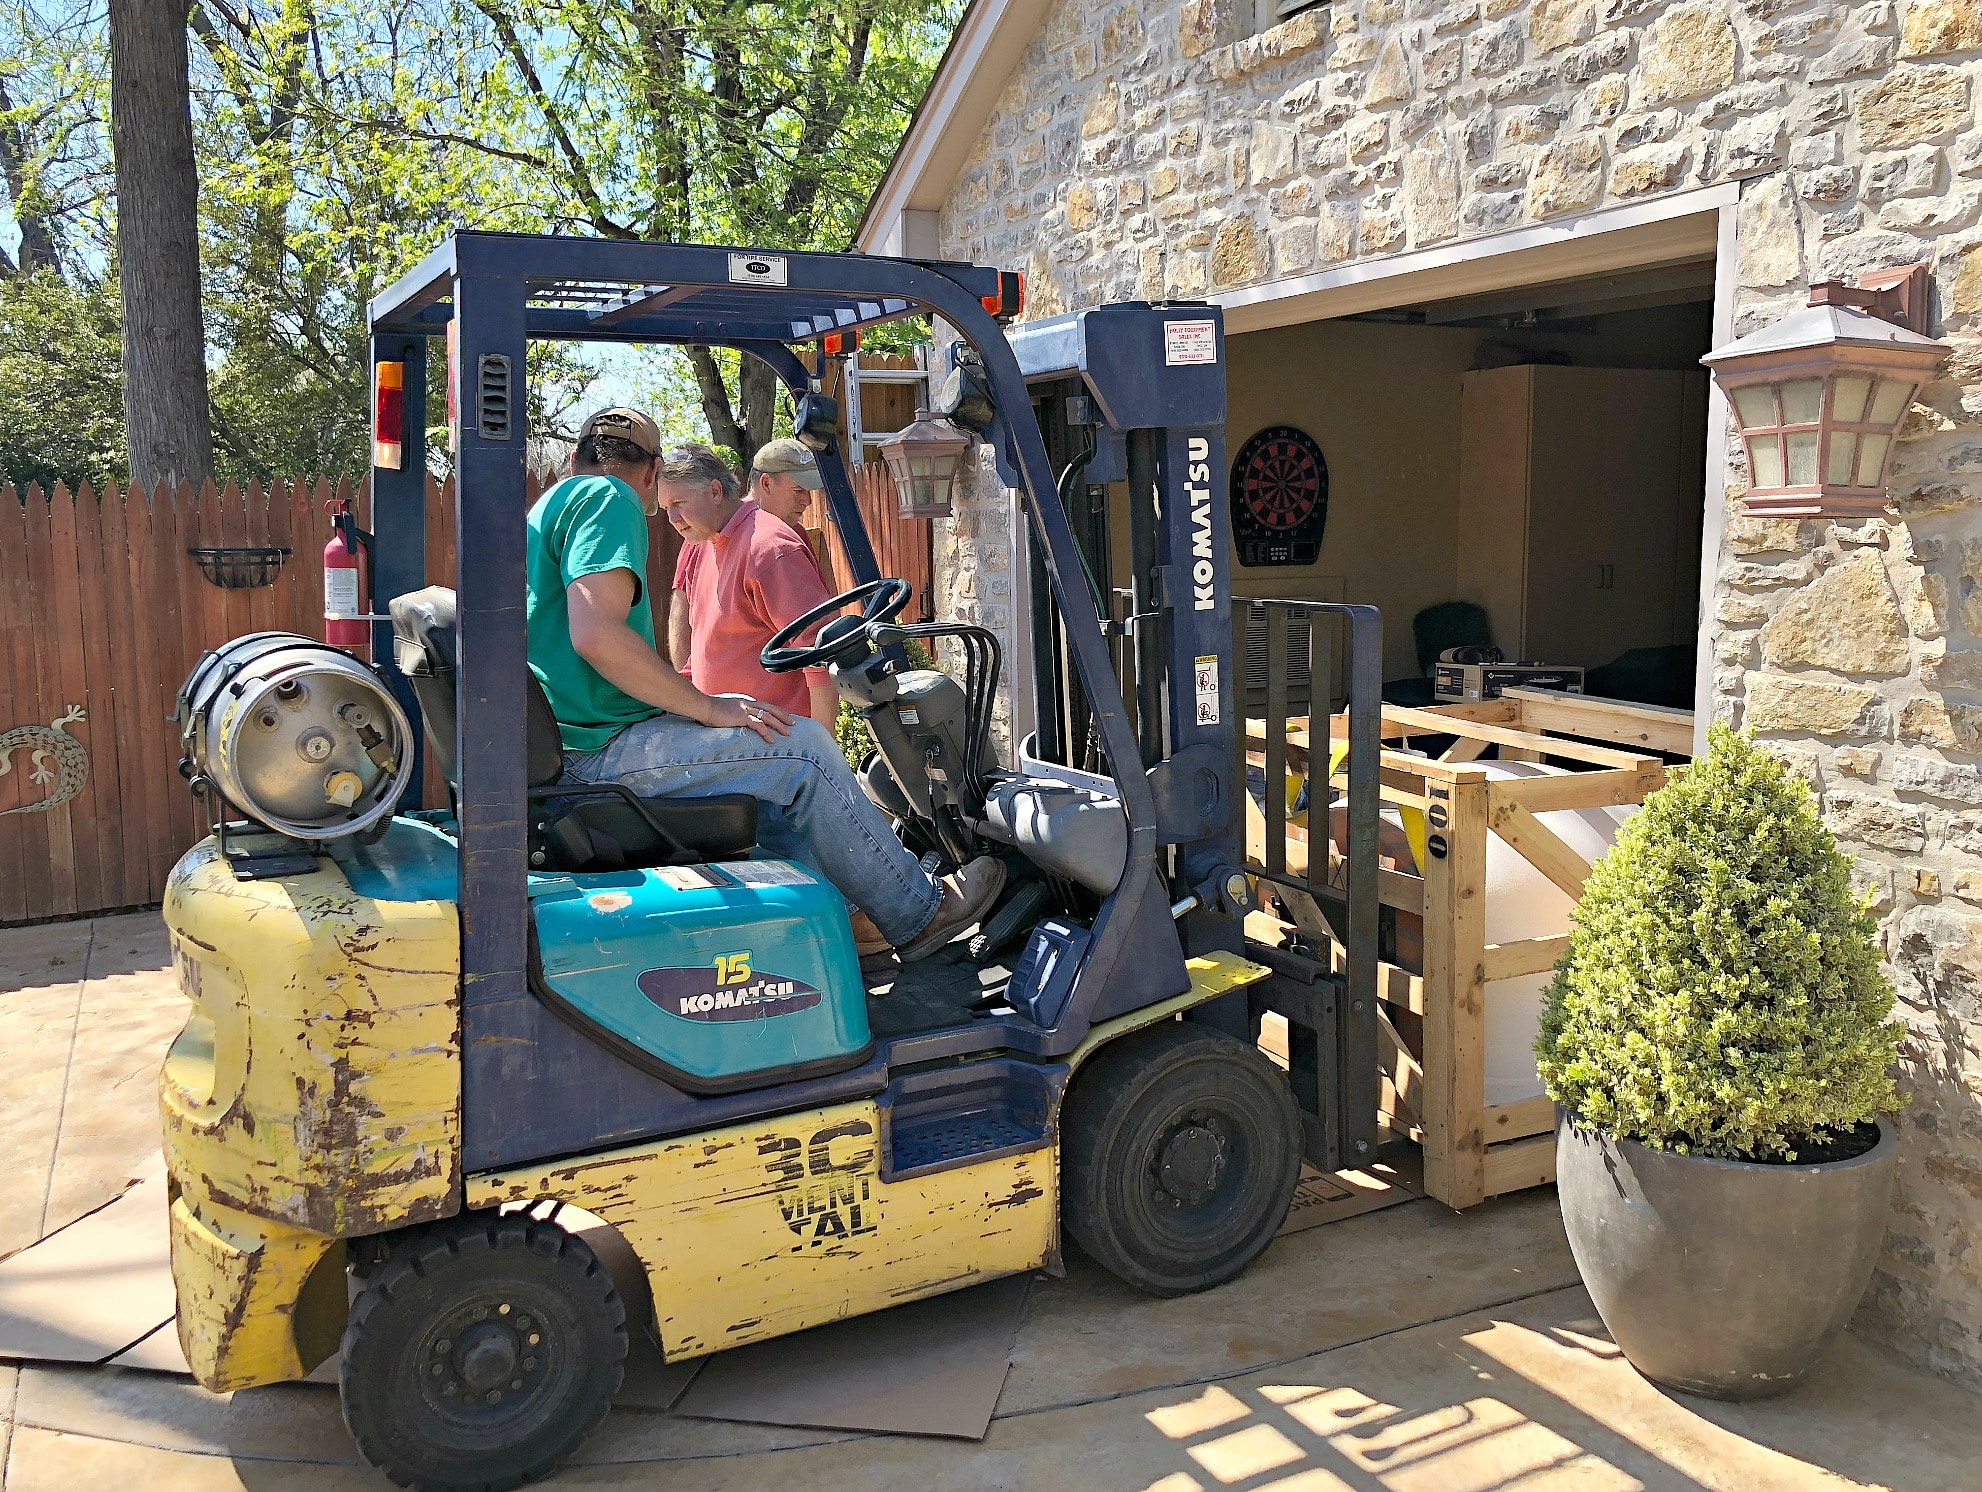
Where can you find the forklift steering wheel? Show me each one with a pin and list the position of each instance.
(884, 602)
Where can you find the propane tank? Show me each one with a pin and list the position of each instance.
(344, 583)
(295, 734)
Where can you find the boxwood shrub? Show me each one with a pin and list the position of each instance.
(1721, 994)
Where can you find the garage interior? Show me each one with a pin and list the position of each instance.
(1536, 452)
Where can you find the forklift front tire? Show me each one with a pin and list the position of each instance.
(480, 1352)
(1182, 1147)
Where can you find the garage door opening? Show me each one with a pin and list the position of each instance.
(1521, 469)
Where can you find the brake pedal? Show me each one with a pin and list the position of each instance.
(1018, 913)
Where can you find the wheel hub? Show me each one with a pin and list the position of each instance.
(1191, 1163)
(487, 1356)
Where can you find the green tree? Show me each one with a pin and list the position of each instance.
(62, 409)
(725, 121)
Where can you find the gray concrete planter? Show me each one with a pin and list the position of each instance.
(1721, 1277)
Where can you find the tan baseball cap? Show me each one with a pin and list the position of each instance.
(625, 424)
(792, 457)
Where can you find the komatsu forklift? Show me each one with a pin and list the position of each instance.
(419, 1034)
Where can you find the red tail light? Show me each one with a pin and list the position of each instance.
(839, 343)
(388, 415)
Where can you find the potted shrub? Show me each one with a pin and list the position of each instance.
(1719, 1038)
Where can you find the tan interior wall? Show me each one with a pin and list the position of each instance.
(1383, 402)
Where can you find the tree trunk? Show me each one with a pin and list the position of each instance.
(168, 426)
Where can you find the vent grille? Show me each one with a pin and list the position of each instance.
(492, 396)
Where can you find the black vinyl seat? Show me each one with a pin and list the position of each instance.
(573, 826)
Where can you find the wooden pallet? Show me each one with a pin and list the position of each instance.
(1433, 1090)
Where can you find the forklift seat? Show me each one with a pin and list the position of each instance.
(573, 826)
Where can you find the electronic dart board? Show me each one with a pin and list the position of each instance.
(1279, 498)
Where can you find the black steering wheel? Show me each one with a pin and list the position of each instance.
(884, 602)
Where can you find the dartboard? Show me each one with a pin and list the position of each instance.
(1279, 498)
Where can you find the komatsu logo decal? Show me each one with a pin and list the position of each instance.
(726, 991)
(1197, 487)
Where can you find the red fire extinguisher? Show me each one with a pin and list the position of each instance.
(345, 557)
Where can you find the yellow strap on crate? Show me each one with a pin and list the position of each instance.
(1413, 819)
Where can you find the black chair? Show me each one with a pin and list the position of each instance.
(1449, 624)
(597, 826)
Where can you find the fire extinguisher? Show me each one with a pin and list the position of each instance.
(346, 564)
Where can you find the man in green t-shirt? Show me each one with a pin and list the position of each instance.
(625, 714)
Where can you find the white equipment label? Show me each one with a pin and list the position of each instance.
(1207, 689)
(340, 593)
(1187, 342)
(768, 873)
(756, 269)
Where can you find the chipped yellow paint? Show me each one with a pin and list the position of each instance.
(779, 1224)
(314, 1094)
(1212, 974)
(776, 1225)
(317, 1081)
(239, 1281)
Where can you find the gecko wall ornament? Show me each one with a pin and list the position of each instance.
(48, 742)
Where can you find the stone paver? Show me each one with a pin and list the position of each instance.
(1413, 1350)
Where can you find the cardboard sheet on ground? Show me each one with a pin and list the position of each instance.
(933, 1367)
(90, 1290)
(1320, 1197)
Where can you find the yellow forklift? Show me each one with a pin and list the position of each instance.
(418, 1034)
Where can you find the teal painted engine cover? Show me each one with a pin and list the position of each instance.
(717, 977)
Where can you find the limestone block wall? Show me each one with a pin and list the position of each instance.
(1148, 149)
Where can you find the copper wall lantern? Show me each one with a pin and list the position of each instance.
(1820, 395)
(923, 460)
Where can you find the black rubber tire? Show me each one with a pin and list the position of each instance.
(419, 1312)
(1177, 1094)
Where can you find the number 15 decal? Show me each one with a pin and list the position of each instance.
(733, 968)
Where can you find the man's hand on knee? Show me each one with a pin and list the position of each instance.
(741, 712)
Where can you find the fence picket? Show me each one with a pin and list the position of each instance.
(17, 623)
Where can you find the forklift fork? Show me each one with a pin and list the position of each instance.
(1327, 997)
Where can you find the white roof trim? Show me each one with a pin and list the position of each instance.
(989, 41)
(1681, 226)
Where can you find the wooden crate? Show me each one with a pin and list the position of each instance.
(1472, 1150)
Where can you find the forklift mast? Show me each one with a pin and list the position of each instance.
(1135, 394)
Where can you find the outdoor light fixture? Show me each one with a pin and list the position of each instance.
(923, 459)
(1819, 395)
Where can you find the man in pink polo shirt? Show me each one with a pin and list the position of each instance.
(742, 575)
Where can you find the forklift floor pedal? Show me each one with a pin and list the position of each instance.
(1024, 907)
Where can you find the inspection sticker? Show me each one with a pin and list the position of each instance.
(1187, 342)
(768, 873)
(1207, 689)
(757, 269)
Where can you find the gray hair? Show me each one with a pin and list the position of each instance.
(693, 462)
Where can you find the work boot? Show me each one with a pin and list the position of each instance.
(967, 896)
(867, 938)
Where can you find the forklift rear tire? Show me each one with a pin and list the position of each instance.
(1182, 1148)
(480, 1353)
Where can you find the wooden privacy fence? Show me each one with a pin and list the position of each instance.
(102, 614)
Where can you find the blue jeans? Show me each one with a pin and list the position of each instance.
(810, 808)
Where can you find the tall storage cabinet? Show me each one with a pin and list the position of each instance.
(1580, 495)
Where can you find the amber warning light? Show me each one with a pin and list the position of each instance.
(388, 414)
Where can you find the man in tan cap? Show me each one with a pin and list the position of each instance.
(783, 478)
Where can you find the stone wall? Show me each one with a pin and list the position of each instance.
(1148, 150)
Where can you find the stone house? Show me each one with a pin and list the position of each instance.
(1400, 204)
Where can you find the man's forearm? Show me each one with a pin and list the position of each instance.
(824, 703)
(679, 637)
(625, 660)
